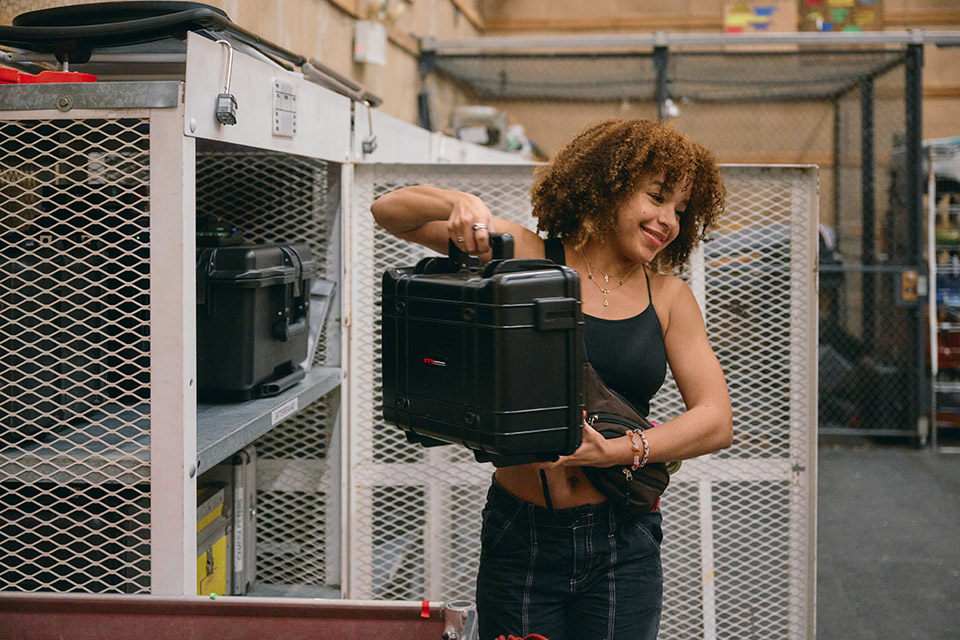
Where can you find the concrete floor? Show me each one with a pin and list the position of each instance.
(888, 551)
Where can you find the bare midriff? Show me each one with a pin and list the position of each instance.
(569, 486)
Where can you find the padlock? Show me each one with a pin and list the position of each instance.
(226, 111)
(369, 142)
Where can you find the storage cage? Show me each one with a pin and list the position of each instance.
(414, 513)
(104, 442)
(854, 106)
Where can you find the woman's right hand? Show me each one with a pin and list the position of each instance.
(431, 216)
(470, 224)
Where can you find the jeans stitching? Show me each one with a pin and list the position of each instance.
(612, 537)
(528, 584)
(646, 532)
(507, 524)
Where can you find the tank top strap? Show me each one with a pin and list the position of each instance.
(649, 290)
(553, 248)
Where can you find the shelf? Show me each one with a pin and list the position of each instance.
(224, 429)
(113, 444)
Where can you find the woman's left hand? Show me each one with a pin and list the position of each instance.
(592, 452)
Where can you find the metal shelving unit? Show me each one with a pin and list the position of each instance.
(943, 222)
(104, 440)
(224, 429)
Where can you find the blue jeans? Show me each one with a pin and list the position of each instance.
(589, 572)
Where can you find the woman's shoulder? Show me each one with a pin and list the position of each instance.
(666, 284)
(672, 297)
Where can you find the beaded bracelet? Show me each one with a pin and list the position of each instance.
(635, 444)
(646, 448)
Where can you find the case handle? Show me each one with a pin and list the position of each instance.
(457, 261)
(500, 243)
(290, 327)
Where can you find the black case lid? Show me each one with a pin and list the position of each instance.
(256, 265)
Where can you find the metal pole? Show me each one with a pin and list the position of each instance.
(554, 42)
(868, 207)
(660, 60)
(915, 179)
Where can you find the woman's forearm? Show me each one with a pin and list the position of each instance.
(409, 208)
(697, 432)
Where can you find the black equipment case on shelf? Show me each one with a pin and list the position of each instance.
(485, 356)
(252, 319)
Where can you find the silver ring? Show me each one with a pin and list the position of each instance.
(461, 240)
(479, 226)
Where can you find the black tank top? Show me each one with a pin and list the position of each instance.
(628, 354)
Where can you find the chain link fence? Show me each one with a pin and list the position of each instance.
(853, 111)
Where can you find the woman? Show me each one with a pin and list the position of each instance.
(624, 202)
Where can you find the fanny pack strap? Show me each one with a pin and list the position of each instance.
(546, 490)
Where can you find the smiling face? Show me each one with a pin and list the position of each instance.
(580, 195)
(649, 220)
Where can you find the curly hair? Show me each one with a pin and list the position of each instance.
(578, 195)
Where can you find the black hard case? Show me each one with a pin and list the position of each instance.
(488, 357)
(252, 319)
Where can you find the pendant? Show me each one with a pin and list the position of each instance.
(605, 302)
(606, 278)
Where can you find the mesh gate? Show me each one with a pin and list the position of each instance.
(277, 197)
(74, 355)
(738, 555)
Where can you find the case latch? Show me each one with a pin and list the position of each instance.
(555, 314)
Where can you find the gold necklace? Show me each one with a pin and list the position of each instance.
(606, 277)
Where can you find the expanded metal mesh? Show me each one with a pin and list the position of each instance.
(739, 537)
(737, 554)
(281, 198)
(407, 499)
(74, 355)
(297, 513)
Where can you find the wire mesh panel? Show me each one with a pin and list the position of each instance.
(738, 552)
(413, 522)
(74, 355)
(740, 523)
(297, 509)
(282, 198)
